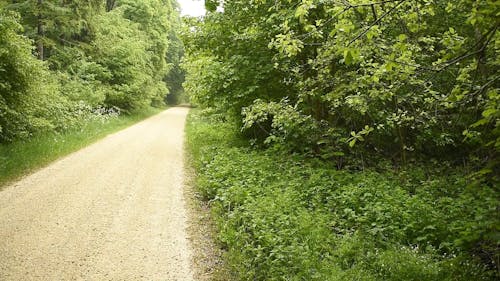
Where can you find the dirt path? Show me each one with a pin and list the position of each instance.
(112, 211)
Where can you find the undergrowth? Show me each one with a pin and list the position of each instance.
(288, 217)
(21, 157)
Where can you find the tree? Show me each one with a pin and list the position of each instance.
(417, 77)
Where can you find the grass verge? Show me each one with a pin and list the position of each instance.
(282, 217)
(22, 157)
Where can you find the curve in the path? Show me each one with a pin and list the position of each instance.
(112, 211)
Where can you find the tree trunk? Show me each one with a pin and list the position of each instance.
(481, 55)
(110, 4)
(40, 31)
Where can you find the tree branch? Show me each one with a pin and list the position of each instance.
(348, 4)
(376, 22)
(488, 36)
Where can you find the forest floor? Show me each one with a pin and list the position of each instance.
(112, 211)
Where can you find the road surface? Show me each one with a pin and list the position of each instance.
(112, 211)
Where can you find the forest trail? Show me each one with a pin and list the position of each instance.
(112, 211)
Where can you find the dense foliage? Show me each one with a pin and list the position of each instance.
(403, 79)
(28, 102)
(285, 217)
(398, 86)
(63, 61)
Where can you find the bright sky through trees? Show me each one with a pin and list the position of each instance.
(193, 8)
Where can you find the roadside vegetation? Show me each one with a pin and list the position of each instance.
(23, 156)
(286, 216)
(349, 140)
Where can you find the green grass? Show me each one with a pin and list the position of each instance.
(22, 157)
(283, 217)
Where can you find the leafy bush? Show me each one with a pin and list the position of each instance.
(279, 123)
(286, 217)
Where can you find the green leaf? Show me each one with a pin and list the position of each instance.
(352, 143)
(480, 123)
(348, 58)
(488, 112)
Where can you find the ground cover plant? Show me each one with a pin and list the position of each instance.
(292, 217)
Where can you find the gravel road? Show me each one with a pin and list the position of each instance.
(112, 211)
